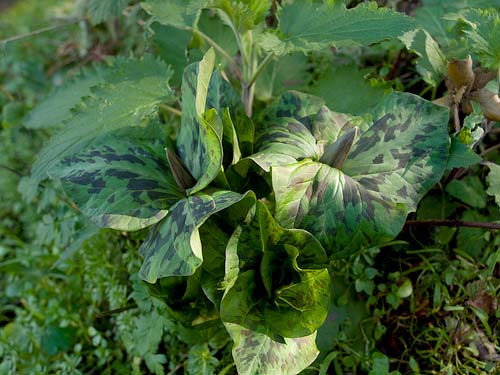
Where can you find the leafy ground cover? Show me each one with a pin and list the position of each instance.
(251, 187)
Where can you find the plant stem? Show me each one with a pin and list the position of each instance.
(170, 109)
(454, 223)
(223, 52)
(36, 32)
(261, 66)
(115, 311)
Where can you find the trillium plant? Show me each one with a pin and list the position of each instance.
(246, 204)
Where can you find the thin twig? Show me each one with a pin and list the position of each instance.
(170, 109)
(454, 223)
(261, 66)
(115, 311)
(492, 148)
(221, 50)
(39, 31)
(11, 170)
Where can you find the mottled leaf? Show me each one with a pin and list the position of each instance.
(393, 164)
(404, 152)
(131, 99)
(277, 281)
(343, 214)
(305, 26)
(256, 354)
(493, 180)
(118, 183)
(173, 246)
(199, 143)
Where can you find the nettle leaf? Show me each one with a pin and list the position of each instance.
(277, 279)
(391, 165)
(56, 107)
(119, 184)
(177, 13)
(255, 353)
(493, 180)
(305, 26)
(483, 32)
(173, 246)
(131, 99)
(101, 10)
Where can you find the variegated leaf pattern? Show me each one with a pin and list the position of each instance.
(199, 143)
(173, 246)
(295, 127)
(277, 281)
(339, 211)
(255, 353)
(119, 184)
(394, 162)
(405, 152)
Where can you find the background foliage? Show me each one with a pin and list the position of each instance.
(73, 301)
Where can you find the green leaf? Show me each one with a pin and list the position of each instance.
(148, 333)
(483, 32)
(380, 364)
(285, 133)
(199, 143)
(155, 363)
(277, 281)
(176, 13)
(57, 339)
(469, 190)
(304, 26)
(393, 164)
(56, 108)
(131, 99)
(101, 10)
(256, 354)
(171, 46)
(461, 156)
(431, 63)
(345, 90)
(173, 246)
(201, 361)
(119, 184)
(493, 180)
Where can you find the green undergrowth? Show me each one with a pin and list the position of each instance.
(250, 187)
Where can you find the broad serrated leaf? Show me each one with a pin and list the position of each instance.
(56, 108)
(176, 13)
(148, 333)
(394, 162)
(138, 87)
(483, 32)
(101, 10)
(493, 180)
(305, 26)
(256, 354)
(119, 184)
(173, 246)
(277, 279)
